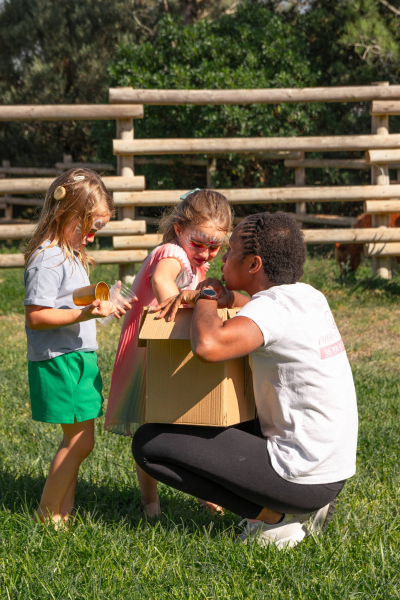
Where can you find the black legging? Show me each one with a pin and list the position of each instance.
(229, 466)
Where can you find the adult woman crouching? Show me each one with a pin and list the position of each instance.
(283, 471)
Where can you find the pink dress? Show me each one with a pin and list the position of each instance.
(126, 401)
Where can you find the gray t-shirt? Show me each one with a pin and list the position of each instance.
(50, 281)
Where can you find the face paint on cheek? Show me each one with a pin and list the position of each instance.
(213, 252)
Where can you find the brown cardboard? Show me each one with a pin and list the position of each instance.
(182, 389)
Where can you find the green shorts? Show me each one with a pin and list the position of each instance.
(66, 389)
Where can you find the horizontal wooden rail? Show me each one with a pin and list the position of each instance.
(83, 165)
(392, 249)
(311, 236)
(254, 144)
(333, 220)
(375, 207)
(322, 163)
(268, 155)
(68, 112)
(118, 257)
(113, 228)
(32, 171)
(383, 157)
(385, 107)
(40, 185)
(102, 257)
(255, 96)
(16, 201)
(349, 193)
(150, 240)
(352, 236)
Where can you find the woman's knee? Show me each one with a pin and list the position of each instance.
(142, 436)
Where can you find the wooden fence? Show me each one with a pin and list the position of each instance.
(381, 151)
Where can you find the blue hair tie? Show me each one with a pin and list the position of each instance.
(184, 196)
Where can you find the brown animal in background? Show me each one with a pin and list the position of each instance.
(349, 256)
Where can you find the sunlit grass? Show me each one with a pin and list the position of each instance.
(113, 552)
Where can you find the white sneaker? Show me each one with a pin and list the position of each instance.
(316, 522)
(292, 530)
(286, 534)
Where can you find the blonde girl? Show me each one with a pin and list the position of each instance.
(193, 233)
(64, 380)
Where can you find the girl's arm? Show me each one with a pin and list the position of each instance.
(163, 278)
(40, 318)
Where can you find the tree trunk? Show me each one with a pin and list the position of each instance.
(189, 11)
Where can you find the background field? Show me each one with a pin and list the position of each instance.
(113, 552)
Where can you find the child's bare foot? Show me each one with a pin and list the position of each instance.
(69, 518)
(56, 520)
(152, 509)
(211, 507)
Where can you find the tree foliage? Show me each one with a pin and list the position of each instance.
(257, 47)
(56, 52)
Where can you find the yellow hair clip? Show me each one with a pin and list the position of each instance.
(59, 193)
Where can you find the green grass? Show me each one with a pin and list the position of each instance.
(113, 552)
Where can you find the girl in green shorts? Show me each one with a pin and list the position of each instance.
(64, 380)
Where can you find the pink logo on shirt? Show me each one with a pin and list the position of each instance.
(330, 320)
(332, 350)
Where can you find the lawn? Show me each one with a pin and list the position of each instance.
(114, 552)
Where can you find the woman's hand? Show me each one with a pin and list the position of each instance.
(100, 309)
(171, 305)
(225, 297)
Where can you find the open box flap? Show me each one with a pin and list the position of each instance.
(160, 329)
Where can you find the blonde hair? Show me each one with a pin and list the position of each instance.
(197, 208)
(82, 192)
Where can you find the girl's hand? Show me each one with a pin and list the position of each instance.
(225, 297)
(171, 305)
(120, 312)
(101, 309)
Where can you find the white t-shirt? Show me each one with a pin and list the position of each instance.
(303, 386)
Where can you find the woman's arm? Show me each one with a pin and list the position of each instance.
(163, 278)
(40, 318)
(213, 340)
(226, 299)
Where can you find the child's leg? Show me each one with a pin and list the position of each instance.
(77, 444)
(148, 492)
(67, 507)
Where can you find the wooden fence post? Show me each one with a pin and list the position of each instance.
(300, 180)
(211, 170)
(381, 266)
(8, 211)
(67, 161)
(125, 168)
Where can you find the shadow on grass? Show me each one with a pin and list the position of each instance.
(375, 283)
(390, 287)
(20, 494)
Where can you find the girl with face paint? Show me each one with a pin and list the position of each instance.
(193, 234)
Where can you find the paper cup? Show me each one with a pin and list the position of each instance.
(86, 295)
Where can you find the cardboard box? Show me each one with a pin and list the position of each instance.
(182, 389)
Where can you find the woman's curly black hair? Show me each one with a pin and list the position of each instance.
(278, 241)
